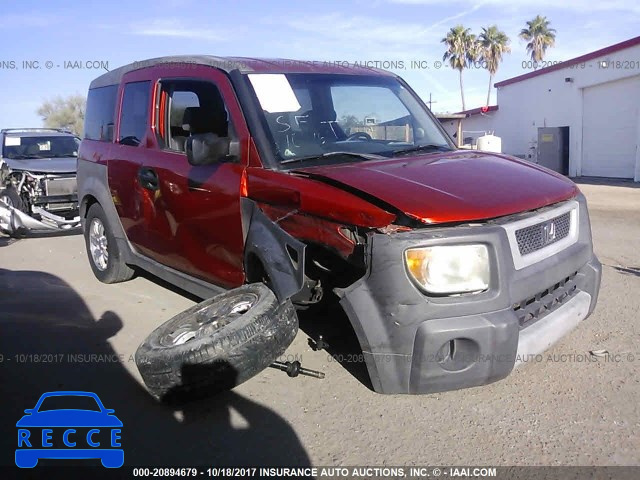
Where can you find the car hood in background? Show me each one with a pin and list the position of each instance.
(44, 165)
(451, 187)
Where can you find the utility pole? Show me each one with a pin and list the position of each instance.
(431, 101)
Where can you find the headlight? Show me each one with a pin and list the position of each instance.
(450, 269)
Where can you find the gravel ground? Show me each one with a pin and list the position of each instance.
(54, 315)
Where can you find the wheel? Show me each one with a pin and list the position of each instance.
(102, 249)
(359, 136)
(112, 459)
(11, 197)
(26, 459)
(217, 344)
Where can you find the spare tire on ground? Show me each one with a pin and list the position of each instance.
(216, 344)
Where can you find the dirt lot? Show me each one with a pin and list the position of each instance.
(54, 316)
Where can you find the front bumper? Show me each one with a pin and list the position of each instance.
(110, 458)
(17, 223)
(413, 343)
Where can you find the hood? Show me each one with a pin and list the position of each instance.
(44, 165)
(69, 418)
(453, 186)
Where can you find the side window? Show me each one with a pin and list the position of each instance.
(190, 107)
(134, 117)
(101, 105)
(180, 101)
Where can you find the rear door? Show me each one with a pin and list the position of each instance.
(133, 138)
(192, 216)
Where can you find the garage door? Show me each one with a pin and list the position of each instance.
(610, 128)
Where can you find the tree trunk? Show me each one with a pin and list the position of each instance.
(489, 92)
(462, 91)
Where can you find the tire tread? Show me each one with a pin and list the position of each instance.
(245, 351)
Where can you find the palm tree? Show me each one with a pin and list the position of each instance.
(539, 36)
(462, 49)
(494, 43)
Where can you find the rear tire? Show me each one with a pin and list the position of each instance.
(217, 344)
(102, 249)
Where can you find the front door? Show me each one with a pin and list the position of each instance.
(192, 218)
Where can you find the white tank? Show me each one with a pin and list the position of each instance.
(489, 143)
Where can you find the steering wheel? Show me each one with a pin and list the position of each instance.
(359, 136)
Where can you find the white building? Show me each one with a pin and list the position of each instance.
(595, 97)
(476, 122)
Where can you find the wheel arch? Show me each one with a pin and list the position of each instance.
(93, 187)
(85, 204)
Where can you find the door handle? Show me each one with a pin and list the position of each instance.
(148, 178)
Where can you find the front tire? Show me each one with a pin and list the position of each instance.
(26, 459)
(216, 344)
(11, 197)
(112, 459)
(102, 249)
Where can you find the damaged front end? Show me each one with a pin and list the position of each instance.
(416, 338)
(330, 223)
(38, 204)
(14, 222)
(417, 341)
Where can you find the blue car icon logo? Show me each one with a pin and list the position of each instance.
(69, 425)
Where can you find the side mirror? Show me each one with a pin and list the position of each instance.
(208, 148)
(109, 411)
(29, 411)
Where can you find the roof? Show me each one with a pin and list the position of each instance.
(632, 42)
(479, 110)
(449, 116)
(243, 65)
(37, 132)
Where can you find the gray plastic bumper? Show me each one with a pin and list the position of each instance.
(413, 343)
(544, 333)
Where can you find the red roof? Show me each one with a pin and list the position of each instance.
(584, 58)
(476, 111)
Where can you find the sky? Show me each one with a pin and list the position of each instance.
(58, 36)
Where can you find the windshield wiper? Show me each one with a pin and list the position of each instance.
(421, 148)
(361, 156)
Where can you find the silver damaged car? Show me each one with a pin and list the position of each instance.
(38, 188)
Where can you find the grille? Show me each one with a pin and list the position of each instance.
(57, 190)
(532, 309)
(533, 238)
(61, 186)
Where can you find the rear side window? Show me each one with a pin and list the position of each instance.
(101, 105)
(134, 118)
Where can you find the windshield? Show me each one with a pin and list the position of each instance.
(27, 147)
(69, 402)
(321, 118)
